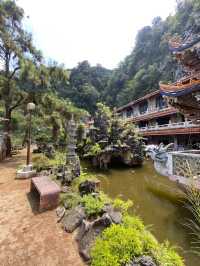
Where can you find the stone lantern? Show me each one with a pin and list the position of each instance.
(72, 159)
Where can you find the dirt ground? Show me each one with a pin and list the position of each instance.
(26, 237)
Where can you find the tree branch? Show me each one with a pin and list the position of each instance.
(14, 71)
(17, 103)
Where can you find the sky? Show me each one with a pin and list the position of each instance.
(100, 31)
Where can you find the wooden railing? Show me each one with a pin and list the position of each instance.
(149, 111)
(170, 125)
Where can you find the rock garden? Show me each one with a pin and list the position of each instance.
(105, 232)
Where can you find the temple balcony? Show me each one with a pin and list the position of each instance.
(150, 114)
(172, 128)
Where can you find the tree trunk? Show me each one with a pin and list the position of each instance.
(55, 133)
(7, 129)
(7, 102)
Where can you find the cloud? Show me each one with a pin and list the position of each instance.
(101, 31)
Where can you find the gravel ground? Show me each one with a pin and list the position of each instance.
(27, 237)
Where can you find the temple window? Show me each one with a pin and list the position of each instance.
(143, 107)
(160, 102)
(143, 124)
(129, 112)
(163, 120)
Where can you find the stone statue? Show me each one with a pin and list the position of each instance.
(160, 157)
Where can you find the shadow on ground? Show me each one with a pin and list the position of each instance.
(33, 199)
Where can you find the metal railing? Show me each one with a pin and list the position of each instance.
(185, 124)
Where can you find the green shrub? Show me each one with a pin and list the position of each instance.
(59, 159)
(104, 198)
(92, 205)
(193, 224)
(167, 256)
(149, 242)
(102, 254)
(117, 245)
(71, 199)
(94, 150)
(40, 162)
(82, 178)
(122, 205)
(134, 222)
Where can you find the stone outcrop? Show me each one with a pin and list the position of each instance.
(73, 219)
(87, 187)
(115, 216)
(111, 141)
(60, 211)
(88, 233)
(142, 261)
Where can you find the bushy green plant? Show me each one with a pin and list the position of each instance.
(117, 245)
(104, 198)
(122, 205)
(40, 162)
(193, 205)
(92, 205)
(59, 159)
(71, 199)
(94, 150)
(148, 240)
(134, 222)
(82, 178)
(167, 256)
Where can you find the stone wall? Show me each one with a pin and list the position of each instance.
(186, 164)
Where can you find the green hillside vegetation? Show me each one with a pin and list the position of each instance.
(150, 61)
(140, 72)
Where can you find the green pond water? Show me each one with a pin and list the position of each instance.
(156, 200)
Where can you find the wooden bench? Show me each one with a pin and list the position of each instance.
(48, 192)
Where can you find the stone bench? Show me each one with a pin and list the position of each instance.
(48, 192)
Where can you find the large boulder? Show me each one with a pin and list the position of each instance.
(73, 218)
(60, 211)
(88, 233)
(87, 187)
(115, 216)
(142, 261)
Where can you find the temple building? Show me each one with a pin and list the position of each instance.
(172, 114)
(160, 122)
(184, 94)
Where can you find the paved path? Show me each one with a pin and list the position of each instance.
(26, 237)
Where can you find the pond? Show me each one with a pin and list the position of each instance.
(156, 200)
